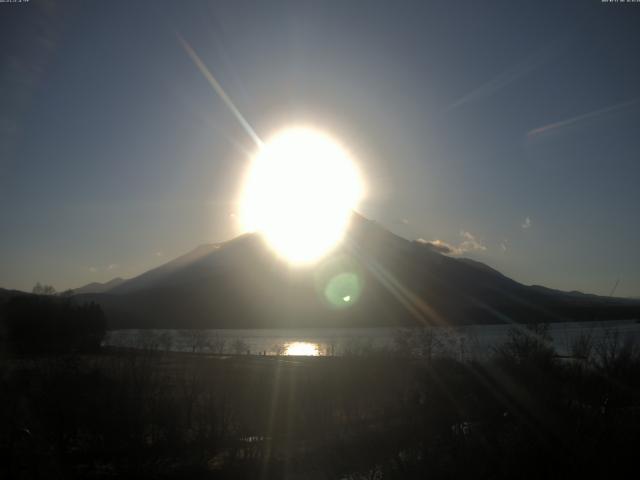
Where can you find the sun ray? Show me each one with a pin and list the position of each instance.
(218, 89)
(417, 307)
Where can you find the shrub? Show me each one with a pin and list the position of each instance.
(527, 345)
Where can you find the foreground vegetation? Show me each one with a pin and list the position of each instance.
(523, 413)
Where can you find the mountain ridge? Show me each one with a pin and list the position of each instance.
(99, 287)
(242, 284)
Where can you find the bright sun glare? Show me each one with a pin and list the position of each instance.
(304, 349)
(299, 194)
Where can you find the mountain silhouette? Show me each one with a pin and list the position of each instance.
(97, 287)
(372, 278)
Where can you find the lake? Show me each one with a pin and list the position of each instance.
(463, 342)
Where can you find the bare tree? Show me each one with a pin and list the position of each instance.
(198, 340)
(239, 346)
(40, 289)
(278, 349)
(218, 344)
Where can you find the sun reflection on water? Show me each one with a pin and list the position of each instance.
(306, 349)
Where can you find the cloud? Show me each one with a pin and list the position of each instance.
(159, 254)
(505, 78)
(111, 266)
(504, 245)
(469, 244)
(404, 221)
(578, 120)
(527, 223)
(439, 246)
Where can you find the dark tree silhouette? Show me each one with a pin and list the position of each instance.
(52, 324)
(40, 289)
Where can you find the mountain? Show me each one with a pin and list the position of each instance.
(165, 273)
(373, 278)
(96, 287)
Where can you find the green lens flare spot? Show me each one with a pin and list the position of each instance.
(339, 282)
(343, 289)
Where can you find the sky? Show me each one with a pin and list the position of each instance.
(508, 132)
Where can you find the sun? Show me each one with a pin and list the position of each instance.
(299, 193)
(302, 349)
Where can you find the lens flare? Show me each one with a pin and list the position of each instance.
(343, 290)
(299, 193)
(339, 281)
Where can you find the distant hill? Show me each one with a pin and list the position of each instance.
(241, 284)
(96, 287)
(7, 294)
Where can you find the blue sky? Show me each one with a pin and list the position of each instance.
(467, 118)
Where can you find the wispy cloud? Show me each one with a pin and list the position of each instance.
(558, 126)
(159, 254)
(469, 243)
(504, 79)
(108, 268)
(404, 221)
(526, 223)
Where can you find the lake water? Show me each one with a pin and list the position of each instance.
(466, 342)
